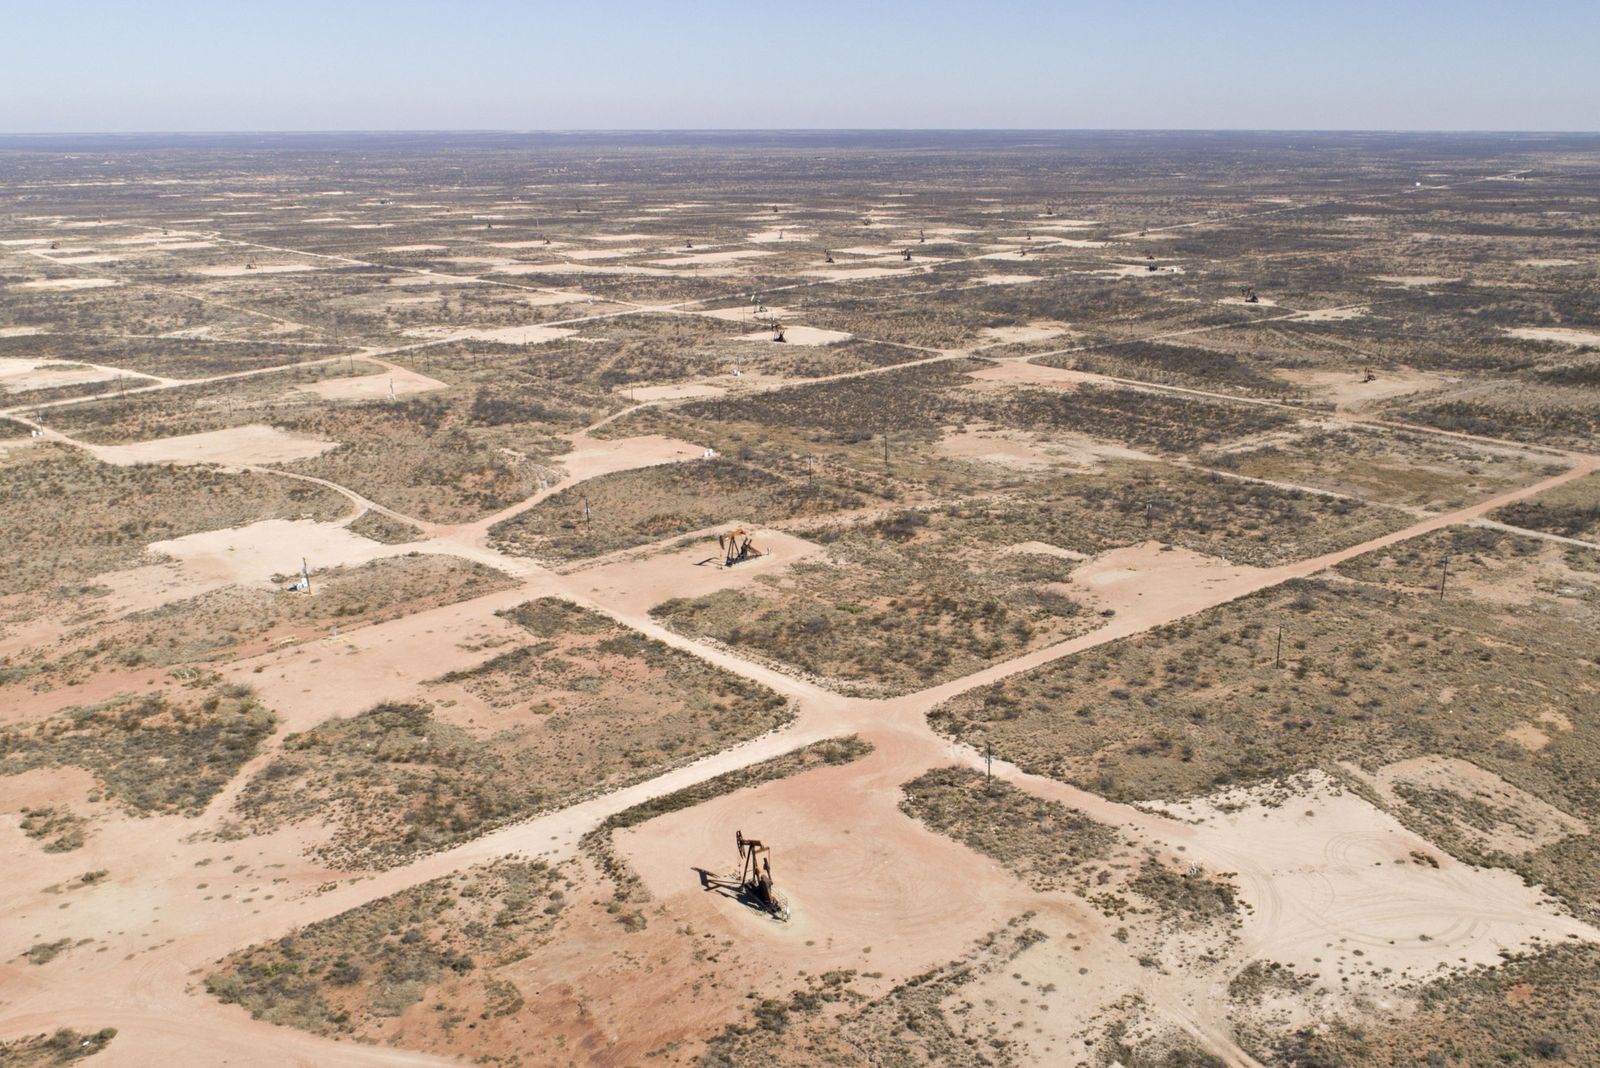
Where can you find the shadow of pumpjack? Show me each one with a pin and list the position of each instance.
(752, 886)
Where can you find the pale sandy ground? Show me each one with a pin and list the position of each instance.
(635, 581)
(1043, 548)
(83, 260)
(429, 278)
(624, 237)
(855, 274)
(1413, 279)
(1138, 271)
(341, 676)
(182, 246)
(1024, 452)
(21, 331)
(1038, 330)
(1567, 335)
(476, 261)
(740, 313)
(373, 387)
(18, 375)
(678, 392)
(608, 269)
(422, 248)
(1547, 263)
(606, 253)
(870, 250)
(1047, 222)
(254, 444)
(1528, 822)
(763, 237)
(1008, 279)
(1343, 879)
(1332, 315)
(1347, 390)
(730, 256)
(1014, 372)
(500, 335)
(843, 854)
(252, 555)
(802, 335)
(1071, 242)
(69, 283)
(536, 243)
(1121, 578)
(1296, 907)
(260, 268)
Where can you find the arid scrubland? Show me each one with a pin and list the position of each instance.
(1165, 635)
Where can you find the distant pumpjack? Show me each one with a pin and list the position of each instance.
(736, 547)
(777, 332)
(905, 254)
(827, 257)
(1249, 294)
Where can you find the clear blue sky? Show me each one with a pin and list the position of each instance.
(145, 65)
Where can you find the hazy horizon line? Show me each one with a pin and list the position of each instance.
(795, 129)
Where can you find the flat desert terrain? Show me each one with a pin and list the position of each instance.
(1137, 593)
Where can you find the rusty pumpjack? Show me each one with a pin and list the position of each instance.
(1249, 294)
(736, 547)
(754, 881)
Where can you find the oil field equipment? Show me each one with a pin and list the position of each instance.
(736, 547)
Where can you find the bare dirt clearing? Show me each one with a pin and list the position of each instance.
(236, 445)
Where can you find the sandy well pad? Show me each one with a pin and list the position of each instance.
(854, 870)
(801, 335)
(636, 583)
(854, 274)
(1563, 334)
(69, 283)
(1020, 451)
(251, 555)
(373, 387)
(1008, 279)
(1326, 885)
(679, 392)
(254, 444)
(703, 258)
(500, 335)
(383, 661)
(17, 375)
(1035, 331)
(1346, 389)
(1525, 822)
(1121, 578)
(264, 268)
(743, 313)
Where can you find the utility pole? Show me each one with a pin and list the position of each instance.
(988, 759)
(1444, 573)
(586, 511)
(885, 450)
(1277, 658)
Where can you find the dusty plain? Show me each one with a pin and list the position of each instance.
(1131, 673)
